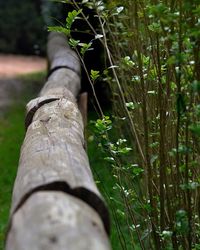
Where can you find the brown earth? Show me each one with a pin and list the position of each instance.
(14, 65)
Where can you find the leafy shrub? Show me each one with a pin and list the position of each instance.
(153, 61)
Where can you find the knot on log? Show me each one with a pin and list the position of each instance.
(51, 96)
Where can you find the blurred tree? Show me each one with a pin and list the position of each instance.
(22, 28)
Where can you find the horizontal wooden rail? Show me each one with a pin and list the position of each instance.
(56, 204)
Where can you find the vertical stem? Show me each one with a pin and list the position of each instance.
(161, 105)
(188, 193)
(130, 211)
(178, 82)
(91, 84)
(133, 128)
(146, 133)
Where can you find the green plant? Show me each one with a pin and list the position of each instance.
(153, 59)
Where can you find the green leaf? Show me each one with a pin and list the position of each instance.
(195, 128)
(59, 29)
(155, 27)
(71, 18)
(103, 125)
(121, 141)
(124, 150)
(166, 234)
(131, 105)
(94, 74)
(127, 61)
(136, 170)
(85, 47)
(118, 10)
(73, 43)
(109, 159)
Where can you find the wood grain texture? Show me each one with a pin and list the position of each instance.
(83, 106)
(60, 54)
(52, 94)
(56, 221)
(53, 150)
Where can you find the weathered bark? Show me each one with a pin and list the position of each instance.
(82, 105)
(53, 159)
(56, 221)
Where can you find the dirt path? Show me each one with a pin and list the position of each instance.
(11, 66)
(14, 65)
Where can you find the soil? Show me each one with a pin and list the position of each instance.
(14, 65)
(11, 67)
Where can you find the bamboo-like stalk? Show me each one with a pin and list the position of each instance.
(56, 204)
(146, 131)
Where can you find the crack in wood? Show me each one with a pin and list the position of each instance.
(82, 193)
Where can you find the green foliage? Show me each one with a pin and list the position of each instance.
(151, 142)
(182, 225)
(94, 74)
(103, 125)
(71, 17)
(11, 136)
(85, 47)
(73, 43)
(59, 29)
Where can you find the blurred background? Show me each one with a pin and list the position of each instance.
(23, 33)
(23, 25)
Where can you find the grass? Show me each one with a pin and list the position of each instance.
(11, 138)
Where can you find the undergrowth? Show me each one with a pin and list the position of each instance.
(152, 51)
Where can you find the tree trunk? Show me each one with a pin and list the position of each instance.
(56, 204)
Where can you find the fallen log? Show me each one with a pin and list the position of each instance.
(54, 176)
